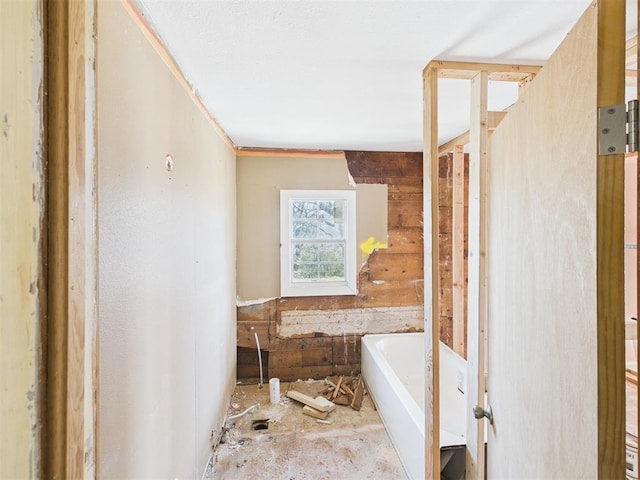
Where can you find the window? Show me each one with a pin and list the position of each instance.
(317, 242)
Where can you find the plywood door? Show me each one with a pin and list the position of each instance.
(555, 267)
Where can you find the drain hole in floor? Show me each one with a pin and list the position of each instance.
(260, 424)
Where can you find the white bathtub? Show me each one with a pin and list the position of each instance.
(393, 367)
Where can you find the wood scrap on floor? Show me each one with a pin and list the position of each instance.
(348, 391)
(312, 412)
(318, 407)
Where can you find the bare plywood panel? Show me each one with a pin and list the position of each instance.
(555, 267)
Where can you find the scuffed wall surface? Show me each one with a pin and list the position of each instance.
(167, 264)
(21, 208)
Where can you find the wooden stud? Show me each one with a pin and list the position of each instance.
(609, 252)
(458, 276)
(72, 243)
(477, 274)
(431, 274)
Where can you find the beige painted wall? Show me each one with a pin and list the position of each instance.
(259, 181)
(167, 248)
(21, 207)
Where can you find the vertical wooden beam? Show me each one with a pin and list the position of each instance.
(477, 267)
(431, 274)
(72, 241)
(21, 237)
(457, 234)
(609, 251)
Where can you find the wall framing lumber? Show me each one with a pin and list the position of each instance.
(609, 255)
(496, 72)
(431, 274)
(72, 241)
(477, 289)
(458, 270)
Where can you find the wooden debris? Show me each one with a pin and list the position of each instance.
(336, 391)
(356, 404)
(312, 412)
(319, 403)
(342, 399)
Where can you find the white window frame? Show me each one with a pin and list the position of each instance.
(289, 288)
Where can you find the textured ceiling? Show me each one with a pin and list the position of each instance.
(347, 74)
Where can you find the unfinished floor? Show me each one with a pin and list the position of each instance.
(353, 445)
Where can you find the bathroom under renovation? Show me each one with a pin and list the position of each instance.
(283, 240)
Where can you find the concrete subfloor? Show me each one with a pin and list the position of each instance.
(354, 445)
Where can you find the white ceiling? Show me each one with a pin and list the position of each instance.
(346, 74)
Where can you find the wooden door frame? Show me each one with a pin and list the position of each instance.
(70, 448)
(479, 74)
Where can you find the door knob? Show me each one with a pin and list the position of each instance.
(481, 413)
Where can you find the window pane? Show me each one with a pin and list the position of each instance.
(330, 229)
(305, 252)
(332, 272)
(305, 271)
(302, 229)
(304, 209)
(332, 252)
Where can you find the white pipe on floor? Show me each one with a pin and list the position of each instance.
(257, 405)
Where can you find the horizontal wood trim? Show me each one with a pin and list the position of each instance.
(284, 152)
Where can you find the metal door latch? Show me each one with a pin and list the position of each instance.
(481, 413)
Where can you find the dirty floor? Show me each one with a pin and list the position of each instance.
(353, 445)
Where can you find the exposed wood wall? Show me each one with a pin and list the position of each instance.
(445, 212)
(390, 285)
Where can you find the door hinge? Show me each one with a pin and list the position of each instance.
(618, 128)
